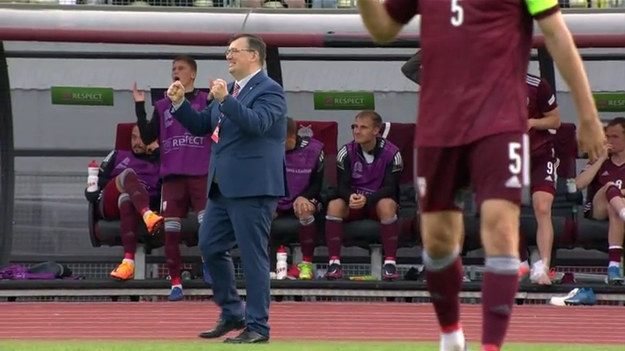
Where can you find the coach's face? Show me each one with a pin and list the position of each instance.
(364, 130)
(240, 58)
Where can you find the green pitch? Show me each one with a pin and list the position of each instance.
(273, 346)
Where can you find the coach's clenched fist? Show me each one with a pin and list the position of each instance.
(219, 89)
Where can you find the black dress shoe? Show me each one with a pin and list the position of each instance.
(223, 327)
(247, 337)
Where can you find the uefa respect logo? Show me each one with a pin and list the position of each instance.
(82, 96)
(344, 101)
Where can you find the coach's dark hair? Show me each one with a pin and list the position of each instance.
(188, 60)
(255, 43)
(291, 126)
(618, 121)
(377, 119)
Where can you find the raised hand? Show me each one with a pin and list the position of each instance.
(139, 96)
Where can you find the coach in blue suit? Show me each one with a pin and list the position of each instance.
(247, 123)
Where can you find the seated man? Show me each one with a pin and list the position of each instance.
(129, 187)
(604, 180)
(369, 170)
(304, 167)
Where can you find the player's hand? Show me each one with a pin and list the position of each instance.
(605, 153)
(139, 96)
(175, 92)
(591, 138)
(153, 146)
(357, 201)
(302, 205)
(530, 124)
(219, 89)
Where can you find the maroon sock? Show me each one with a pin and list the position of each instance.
(523, 252)
(615, 254)
(444, 281)
(128, 227)
(499, 287)
(334, 237)
(139, 196)
(172, 249)
(611, 192)
(389, 233)
(307, 236)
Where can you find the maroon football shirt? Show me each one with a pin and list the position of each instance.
(540, 100)
(475, 57)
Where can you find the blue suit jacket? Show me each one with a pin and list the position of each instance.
(249, 158)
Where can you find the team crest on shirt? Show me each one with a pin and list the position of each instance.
(357, 170)
(168, 119)
(305, 131)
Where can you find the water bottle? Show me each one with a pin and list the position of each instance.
(571, 188)
(281, 265)
(92, 178)
(186, 276)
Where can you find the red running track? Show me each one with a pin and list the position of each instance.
(302, 321)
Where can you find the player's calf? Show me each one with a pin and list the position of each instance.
(172, 255)
(616, 232)
(337, 210)
(307, 240)
(386, 210)
(500, 237)
(441, 236)
(542, 202)
(128, 228)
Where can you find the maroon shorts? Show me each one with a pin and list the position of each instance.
(494, 167)
(177, 193)
(109, 203)
(543, 169)
(362, 213)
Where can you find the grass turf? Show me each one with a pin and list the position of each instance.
(273, 346)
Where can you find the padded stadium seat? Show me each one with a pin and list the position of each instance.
(285, 230)
(106, 232)
(365, 232)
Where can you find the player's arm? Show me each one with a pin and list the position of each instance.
(548, 106)
(385, 20)
(316, 180)
(588, 174)
(412, 68)
(149, 130)
(104, 175)
(562, 49)
(390, 185)
(344, 174)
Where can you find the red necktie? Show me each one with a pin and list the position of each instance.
(235, 91)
